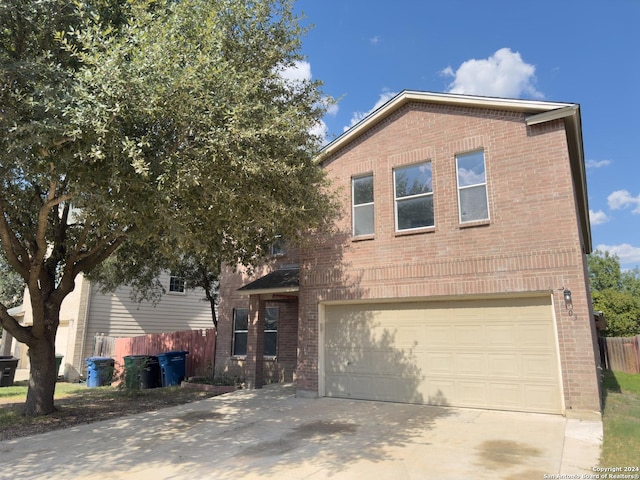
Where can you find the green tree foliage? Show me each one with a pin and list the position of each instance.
(130, 127)
(11, 286)
(615, 293)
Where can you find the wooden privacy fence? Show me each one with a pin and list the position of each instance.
(620, 353)
(200, 344)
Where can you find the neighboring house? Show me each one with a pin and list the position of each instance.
(465, 225)
(87, 312)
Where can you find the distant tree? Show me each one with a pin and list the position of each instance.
(604, 271)
(132, 125)
(615, 293)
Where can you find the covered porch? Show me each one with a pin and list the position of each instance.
(272, 327)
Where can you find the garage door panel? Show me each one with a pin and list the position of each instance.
(440, 392)
(438, 335)
(471, 364)
(499, 353)
(541, 398)
(538, 366)
(472, 394)
(467, 335)
(502, 335)
(440, 363)
(505, 365)
(507, 395)
(536, 334)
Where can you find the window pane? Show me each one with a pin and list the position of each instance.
(363, 190)
(240, 343)
(363, 220)
(471, 169)
(271, 318)
(413, 180)
(176, 284)
(415, 213)
(270, 343)
(473, 204)
(241, 319)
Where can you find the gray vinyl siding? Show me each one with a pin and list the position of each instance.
(118, 315)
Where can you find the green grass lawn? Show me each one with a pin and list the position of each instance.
(18, 392)
(621, 420)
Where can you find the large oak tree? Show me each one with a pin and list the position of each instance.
(129, 125)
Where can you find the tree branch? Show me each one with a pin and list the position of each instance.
(12, 246)
(10, 324)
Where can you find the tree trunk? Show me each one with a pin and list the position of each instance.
(43, 375)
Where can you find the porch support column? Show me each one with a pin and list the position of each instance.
(255, 343)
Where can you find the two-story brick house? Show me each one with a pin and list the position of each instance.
(458, 276)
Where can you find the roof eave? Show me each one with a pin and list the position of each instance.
(269, 291)
(406, 96)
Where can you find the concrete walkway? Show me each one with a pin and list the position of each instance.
(269, 433)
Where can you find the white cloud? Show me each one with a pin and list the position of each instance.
(321, 131)
(374, 40)
(504, 74)
(597, 163)
(598, 218)
(627, 254)
(385, 96)
(298, 72)
(622, 199)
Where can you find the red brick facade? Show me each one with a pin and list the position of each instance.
(533, 241)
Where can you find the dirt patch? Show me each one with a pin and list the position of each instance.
(95, 405)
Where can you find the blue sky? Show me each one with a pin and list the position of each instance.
(586, 52)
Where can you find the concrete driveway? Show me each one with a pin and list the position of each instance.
(270, 433)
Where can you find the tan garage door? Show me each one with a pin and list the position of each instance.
(498, 354)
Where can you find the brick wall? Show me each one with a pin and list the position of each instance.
(283, 367)
(531, 243)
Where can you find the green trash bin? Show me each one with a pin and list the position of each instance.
(142, 371)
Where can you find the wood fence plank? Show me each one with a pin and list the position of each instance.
(199, 343)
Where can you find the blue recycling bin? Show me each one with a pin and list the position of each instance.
(99, 371)
(172, 367)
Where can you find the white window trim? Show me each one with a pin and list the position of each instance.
(395, 199)
(459, 188)
(177, 292)
(354, 206)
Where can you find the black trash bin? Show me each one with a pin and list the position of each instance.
(8, 367)
(99, 371)
(142, 371)
(173, 367)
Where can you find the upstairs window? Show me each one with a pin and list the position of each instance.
(362, 194)
(472, 187)
(413, 188)
(176, 284)
(278, 248)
